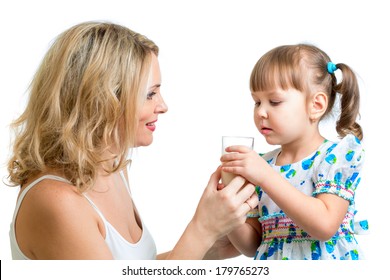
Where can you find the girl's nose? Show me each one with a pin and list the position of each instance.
(261, 112)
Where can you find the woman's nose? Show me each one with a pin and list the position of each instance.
(161, 107)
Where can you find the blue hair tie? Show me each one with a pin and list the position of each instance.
(331, 67)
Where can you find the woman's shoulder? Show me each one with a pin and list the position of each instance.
(52, 193)
(53, 213)
(52, 203)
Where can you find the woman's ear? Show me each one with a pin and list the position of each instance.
(318, 106)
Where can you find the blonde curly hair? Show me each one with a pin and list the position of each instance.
(83, 104)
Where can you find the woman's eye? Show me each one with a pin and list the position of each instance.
(150, 95)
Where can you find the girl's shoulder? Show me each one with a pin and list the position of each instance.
(348, 148)
(271, 155)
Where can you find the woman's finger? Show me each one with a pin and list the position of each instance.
(246, 193)
(215, 178)
(235, 185)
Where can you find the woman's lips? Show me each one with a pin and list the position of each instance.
(151, 125)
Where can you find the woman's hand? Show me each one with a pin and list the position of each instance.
(245, 162)
(219, 211)
(222, 249)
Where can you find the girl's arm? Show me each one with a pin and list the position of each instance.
(319, 216)
(247, 237)
(163, 256)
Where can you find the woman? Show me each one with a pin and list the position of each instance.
(95, 96)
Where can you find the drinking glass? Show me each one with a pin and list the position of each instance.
(234, 141)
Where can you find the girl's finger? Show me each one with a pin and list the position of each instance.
(238, 149)
(231, 156)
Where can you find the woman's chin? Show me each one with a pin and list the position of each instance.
(144, 142)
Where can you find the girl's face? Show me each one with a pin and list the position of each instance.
(281, 115)
(152, 107)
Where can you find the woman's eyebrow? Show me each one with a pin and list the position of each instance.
(155, 86)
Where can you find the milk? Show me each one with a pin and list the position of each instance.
(227, 177)
(231, 141)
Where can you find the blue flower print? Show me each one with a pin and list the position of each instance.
(349, 155)
(357, 140)
(259, 192)
(291, 233)
(285, 168)
(331, 159)
(351, 179)
(264, 211)
(330, 149)
(337, 177)
(329, 245)
(364, 224)
(308, 163)
(291, 174)
(354, 255)
(273, 247)
(315, 250)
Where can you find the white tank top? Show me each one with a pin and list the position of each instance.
(121, 249)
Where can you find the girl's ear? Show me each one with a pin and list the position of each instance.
(318, 106)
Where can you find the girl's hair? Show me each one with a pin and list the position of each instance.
(304, 68)
(84, 101)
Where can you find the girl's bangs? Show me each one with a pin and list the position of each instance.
(276, 71)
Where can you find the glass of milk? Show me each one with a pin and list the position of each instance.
(234, 141)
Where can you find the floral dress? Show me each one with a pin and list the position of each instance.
(333, 168)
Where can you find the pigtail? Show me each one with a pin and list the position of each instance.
(349, 103)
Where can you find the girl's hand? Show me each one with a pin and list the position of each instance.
(245, 162)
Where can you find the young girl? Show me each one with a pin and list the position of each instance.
(306, 188)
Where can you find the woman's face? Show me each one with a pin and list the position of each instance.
(152, 107)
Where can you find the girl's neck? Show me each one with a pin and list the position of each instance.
(299, 149)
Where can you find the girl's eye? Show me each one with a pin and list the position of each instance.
(274, 103)
(257, 104)
(150, 95)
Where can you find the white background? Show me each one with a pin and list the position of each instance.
(207, 51)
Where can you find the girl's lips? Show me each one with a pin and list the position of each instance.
(265, 130)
